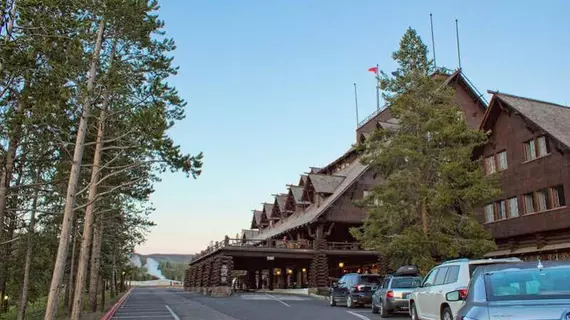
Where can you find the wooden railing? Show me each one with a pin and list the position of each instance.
(343, 246)
(273, 243)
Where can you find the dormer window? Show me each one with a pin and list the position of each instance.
(536, 148)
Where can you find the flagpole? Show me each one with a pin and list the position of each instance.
(356, 103)
(377, 88)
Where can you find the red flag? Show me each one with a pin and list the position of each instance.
(374, 69)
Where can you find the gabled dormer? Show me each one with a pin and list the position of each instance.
(281, 205)
(302, 180)
(259, 220)
(268, 211)
(295, 198)
(320, 186)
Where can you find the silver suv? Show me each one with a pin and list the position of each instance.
(428, 301)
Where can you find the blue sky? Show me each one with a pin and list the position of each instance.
(269, 86)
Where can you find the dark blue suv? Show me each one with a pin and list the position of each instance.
(354, 289)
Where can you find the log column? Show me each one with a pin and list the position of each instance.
(319, 268)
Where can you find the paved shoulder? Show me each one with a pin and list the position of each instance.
(155, 303)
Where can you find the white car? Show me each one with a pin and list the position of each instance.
(428, 302)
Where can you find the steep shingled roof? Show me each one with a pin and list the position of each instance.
(297, 192)
(325, 183)
(553, 118)
(268, 209)
(281, 200)
(351, 174)
(258, 216)
(303, 180)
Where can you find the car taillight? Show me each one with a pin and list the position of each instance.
(463, 293)
(390, 294)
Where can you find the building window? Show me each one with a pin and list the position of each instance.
(502, 209)
(502, 160)
(543, 200)
(558, 196)
(365, 194)
(513, 207)
(542, 146)
(530, 150)
(490, 212)
(536, 148)
(528, 203)
(490, 165)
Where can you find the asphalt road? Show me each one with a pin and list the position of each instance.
(161, 304)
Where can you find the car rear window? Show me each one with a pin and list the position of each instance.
(405, 283)
(370, 279)
(473, 267)
(528, 284)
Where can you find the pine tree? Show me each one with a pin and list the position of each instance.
(424, 210)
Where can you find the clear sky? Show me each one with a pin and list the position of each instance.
(269, 86)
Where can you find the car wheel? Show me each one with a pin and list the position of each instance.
(332, 303)
(349, 303)
(447, 315)
(414, 312)
(383, 311)
(374, 308)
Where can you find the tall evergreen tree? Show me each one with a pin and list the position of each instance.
(424, 210)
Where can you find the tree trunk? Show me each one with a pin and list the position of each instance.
(5, 179)
(28, 262)
(102, 287)
(95, 263)
(10, 24)
(71, 280)
(59, 268)
(90, 215)
(114, 276)
(424, 213)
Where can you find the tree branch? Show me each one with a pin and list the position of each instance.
(99, 195)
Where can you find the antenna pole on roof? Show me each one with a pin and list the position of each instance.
(378, 87)
(432, 40)
(457, 37)
(356, 103)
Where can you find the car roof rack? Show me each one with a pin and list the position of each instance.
(456, 260)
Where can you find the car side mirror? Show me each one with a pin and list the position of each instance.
(454, 296)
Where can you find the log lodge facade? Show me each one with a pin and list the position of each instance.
(302, 239)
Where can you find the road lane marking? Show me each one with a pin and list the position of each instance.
(358, 315)
(277, 299)
(280, 297)
(172, 312)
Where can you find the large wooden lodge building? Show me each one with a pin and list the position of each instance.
(302, 239)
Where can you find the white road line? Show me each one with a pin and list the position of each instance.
(358, 315)
(276, 299)
(172, 312)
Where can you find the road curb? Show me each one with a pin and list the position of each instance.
(314, 296)
(116, 306)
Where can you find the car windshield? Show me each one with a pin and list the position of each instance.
(405, 283)
(528, 284)
(370, 279)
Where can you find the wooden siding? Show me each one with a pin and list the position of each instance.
(509, 133)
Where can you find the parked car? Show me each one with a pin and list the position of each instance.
(354, 289)
(526, 290)
(428, 301)
(392, 296)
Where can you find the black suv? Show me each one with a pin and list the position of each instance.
(354, 289)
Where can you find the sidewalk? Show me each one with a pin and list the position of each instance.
(299, 292)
